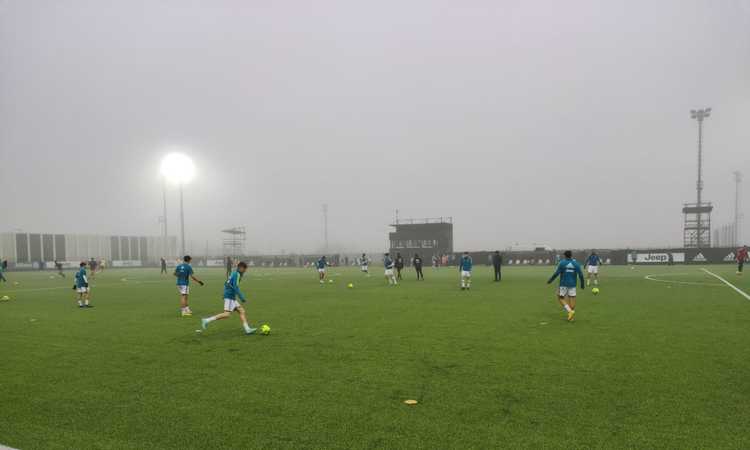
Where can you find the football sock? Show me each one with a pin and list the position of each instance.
(80, 303)
(246, 327)
(567, 308)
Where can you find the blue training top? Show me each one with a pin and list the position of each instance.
(232, 286)
(81, 279)
(183, 272)
(568, 270)
(466, 263)
(593, 260)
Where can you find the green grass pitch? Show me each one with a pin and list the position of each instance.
(646, 364)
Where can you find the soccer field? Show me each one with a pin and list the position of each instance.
(646, 364)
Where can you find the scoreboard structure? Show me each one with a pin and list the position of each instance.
(426, 237)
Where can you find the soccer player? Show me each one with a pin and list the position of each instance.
(231, 293)
(364, 264)
(497, 262)
(82, 287)
(92, 266)
(184, 272)
(321, 265)
(569, 272)
(417, 263)
(58, 266)
(388, 263)
(592, 268)
(3, 266)
(465, 265)
(742, 256)
(399, 263)
(163, 265)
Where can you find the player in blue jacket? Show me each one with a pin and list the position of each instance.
(231, 294)
(184, 273)
(465, 264)
(321, 265)
(82, 287)
(592, 268)
(569, 272)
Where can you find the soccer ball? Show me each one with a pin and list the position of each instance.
(350, 285)
(595, 291)
(330, 281)
(265, 329)
(5, 298)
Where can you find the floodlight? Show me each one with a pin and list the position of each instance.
(177, 168)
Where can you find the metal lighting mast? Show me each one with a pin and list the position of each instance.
(697, 229)
(737, 215)
(325, 228)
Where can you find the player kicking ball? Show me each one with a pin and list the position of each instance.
(464, 267)
(184, 272)
(231, 293)
(82, 287)
(569, 272)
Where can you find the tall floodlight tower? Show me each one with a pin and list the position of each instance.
(697, 224)
(737, 214)
(179, 169)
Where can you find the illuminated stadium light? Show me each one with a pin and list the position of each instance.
(177, 168)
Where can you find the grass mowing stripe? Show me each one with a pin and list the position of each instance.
(741, 292)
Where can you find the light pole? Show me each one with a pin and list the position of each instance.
(178, 169)
(164, 218)
(700, 115)
(737, 216)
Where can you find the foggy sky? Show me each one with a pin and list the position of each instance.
(563, 123)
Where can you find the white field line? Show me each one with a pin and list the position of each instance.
(3, 447)
(67, 287)
(739, 291)
(697, 283)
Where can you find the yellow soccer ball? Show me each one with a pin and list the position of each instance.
(595, 291)
(265, 329)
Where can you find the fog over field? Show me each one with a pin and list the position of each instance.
(563, 123)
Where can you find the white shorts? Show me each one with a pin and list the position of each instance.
(82, 290)
(567, 292)
(230, 305)
(364, 268)
(183, 290)
(593, 269)
(465, 274)
(321, 271)
(389, 272)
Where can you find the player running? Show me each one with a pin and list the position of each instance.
(592, 268)
(82, 287)
(59, 267)
(417, 263)
(184, 272)
(569, 272)
(742, 256)
(321, 265)
(231, 294)
(364, 264)
(388, 264)
(465, 265)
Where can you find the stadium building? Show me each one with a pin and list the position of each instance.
(27, 250)
(427, 237)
